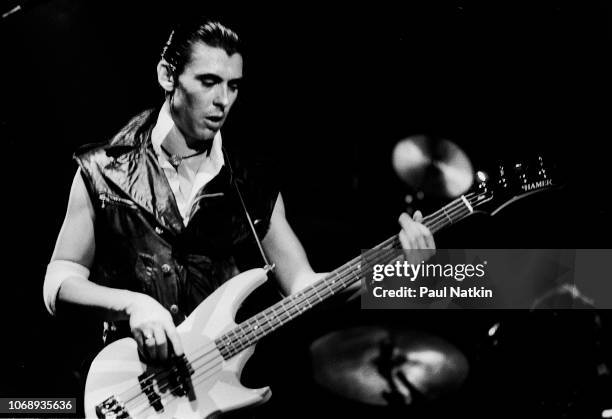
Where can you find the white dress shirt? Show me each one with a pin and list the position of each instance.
(193, 173)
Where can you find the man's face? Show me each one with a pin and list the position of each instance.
(205, 91)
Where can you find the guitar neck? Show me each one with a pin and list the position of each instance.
(250, 331)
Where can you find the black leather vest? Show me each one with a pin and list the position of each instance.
(141, 242)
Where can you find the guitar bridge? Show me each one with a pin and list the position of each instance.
(111, 408)
(179, 382)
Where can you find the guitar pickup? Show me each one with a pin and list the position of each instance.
(178, 380)
(147, 384)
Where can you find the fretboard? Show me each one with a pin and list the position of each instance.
(251, 330)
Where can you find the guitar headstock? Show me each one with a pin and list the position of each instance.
(511, 182)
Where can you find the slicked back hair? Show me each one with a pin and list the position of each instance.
(178, 48)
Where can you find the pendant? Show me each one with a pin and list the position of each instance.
(175, 160)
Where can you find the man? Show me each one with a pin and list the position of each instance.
(155, 218)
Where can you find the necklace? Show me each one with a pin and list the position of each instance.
(176, 159)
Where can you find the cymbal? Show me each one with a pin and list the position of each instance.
(434, 166)
(385, 367)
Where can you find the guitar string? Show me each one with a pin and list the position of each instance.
(241, 342)
(247, 332)
(309, 294)
(306, 297)
(205, 374)
(197, 368)
(147, 404)
(248, 327)
(437, 219)
(141, 391)
(199, 378)
(341, 281)
(315, 290)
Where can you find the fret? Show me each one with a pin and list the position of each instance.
(299, 309)
(307, 300)
(326, 282)
(220, 345)
(261, 319)
(292, 306)
(277, 320)
(257, 328)
(245, 334)
(225, 340)
(226, 346)
(314, 288)
(282, 304)
(336, 279)
(356, 272)
(232, 336)
(264, 319)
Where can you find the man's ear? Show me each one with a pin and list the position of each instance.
(165, 75)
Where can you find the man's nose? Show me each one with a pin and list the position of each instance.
(222, 96)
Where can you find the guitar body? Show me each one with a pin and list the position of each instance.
(116, 369)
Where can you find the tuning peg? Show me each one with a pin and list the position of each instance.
(481, 176)
(502, 176)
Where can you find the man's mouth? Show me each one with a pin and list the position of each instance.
(215, 118)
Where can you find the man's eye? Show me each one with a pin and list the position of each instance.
(208, 83)
(234, 86)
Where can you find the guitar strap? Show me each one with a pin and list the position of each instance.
(267, 265)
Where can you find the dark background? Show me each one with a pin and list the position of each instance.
(329, 91)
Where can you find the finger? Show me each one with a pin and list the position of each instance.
(418, 216)
(413, 232)
(161, 344)
(418, 236)
(431, 243)
(420, 240)
(423, 233)
(427, 237)
(405, 221)
(404, 240)
(150, 345)
(137, 334)
(175, 340)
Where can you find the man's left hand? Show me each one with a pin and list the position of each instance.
(415, 236)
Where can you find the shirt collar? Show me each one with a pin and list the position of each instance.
(165, 127)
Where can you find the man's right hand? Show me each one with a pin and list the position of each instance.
(152, 327)
(150, 322)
